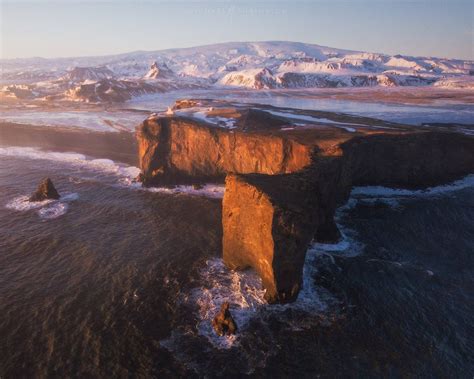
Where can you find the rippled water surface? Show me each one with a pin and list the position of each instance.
(116, 281)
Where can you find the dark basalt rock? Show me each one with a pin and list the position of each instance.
(223, 323)
(46, 190)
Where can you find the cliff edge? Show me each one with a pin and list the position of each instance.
(287, 171)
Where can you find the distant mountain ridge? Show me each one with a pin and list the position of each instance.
(253, 65)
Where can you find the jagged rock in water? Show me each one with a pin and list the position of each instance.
(223, 323)
(46, 190)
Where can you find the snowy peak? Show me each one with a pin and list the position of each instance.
(161, 71)
(254, 65)
(253, 78)
(81, 74)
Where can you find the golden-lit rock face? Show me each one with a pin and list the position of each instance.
(267, 225)
(173, 149)
(283, 184)
(247, 222)
(268, 221)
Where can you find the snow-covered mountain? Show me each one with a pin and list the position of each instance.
(255, 65)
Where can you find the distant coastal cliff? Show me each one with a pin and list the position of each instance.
(286, 171)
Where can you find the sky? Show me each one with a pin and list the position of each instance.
(41, 28)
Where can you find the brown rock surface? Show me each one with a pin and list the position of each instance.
(46, 190)
(223, 323)
(268, 221)
(173, 149)
(284, 182)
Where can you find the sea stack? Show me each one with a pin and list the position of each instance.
(287, 171)
(223, 323)
(45, 191)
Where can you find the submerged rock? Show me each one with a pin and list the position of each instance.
(223, 323)
(46, 190)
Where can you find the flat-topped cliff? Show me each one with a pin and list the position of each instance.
(175, 149)
(269, 220)
(287, 171)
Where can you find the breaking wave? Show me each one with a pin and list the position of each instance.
(108, 166)
(46, 209)
(125, 174)
(208, 190)
(386, 192)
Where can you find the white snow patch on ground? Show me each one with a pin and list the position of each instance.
(312, 119)
(202, 113)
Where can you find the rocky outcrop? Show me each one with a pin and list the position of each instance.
(80, 74)
(45, 191)
(417, 159)
(268, 221)
(284, 183)
(223, 323)
(110, 90)
(161, 71)
(176, 149)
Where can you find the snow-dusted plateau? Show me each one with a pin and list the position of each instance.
(117, 91)
(260, 65)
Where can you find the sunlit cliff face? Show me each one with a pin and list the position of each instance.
(287, 171)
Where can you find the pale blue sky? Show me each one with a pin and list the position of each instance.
(443, 28)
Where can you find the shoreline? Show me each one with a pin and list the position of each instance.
(118, 146)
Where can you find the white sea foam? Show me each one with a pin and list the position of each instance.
(208, 190)
(384, 192)
(394, 197)
(242, 289)
(46, 209)
(245, 293)
(22, 204)
(53, 211)
(107, 166)
(125, 174)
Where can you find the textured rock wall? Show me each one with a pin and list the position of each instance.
(281, 192)
(418, 159)
(267, 225)
(300, 206)
(176, 149)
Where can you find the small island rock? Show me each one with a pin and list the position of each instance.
(46, 190)
(223, 323)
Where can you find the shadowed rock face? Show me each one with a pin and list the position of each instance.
(46, 190)
(283, 187)
(268, 221)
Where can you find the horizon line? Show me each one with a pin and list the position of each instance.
(223, 43)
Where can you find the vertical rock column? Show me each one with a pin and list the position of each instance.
(268, 222)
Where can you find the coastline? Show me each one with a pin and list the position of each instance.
(118, 146)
